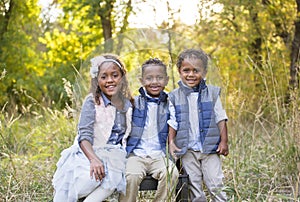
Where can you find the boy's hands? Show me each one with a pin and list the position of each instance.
(172, 146)
(223, 146)
(223, 149)
(173, 149)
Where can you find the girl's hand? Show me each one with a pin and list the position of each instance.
(97, 169)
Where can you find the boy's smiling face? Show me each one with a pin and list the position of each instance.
(191, 72)
(154, 79)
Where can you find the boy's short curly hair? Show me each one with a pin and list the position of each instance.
(154, 61)
(193, 53)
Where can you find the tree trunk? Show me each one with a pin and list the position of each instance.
(106, 21)
(294, 67)
(124, 26)
(255, 46)
(6, 19)
(107, 33)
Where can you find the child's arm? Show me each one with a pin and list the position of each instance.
(223, 146)
(96, 165)
(172, 131)
(172, 146)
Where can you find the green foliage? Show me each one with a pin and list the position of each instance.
(75, 35)
(247, 38)
(68, 45)
(39, 53)
(18, 51)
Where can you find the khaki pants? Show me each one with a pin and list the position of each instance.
(159, 168)
(205, 168)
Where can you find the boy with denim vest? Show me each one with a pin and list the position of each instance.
(146, 145)
(199, 135)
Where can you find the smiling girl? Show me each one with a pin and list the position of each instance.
(94, 167)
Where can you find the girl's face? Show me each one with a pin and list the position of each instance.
(110, 79)
(191, 72)
(154, 79)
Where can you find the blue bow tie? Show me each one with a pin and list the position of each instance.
(150, 99)
(196, 89)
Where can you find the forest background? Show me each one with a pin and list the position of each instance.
(44, 68)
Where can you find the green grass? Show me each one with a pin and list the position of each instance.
(30, 146)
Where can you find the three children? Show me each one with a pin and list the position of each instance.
(190, 121)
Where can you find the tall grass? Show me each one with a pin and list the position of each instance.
(262, 164)
(30, 145)
(264, 143)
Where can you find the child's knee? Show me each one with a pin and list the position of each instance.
(134, 177)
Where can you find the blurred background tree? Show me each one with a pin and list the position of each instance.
(41, 46)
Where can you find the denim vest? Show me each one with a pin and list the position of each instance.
(209, 134)
(139, 115)
(96, 122)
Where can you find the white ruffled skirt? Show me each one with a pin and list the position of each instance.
(72, 180)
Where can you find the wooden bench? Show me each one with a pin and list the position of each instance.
(149, 183)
